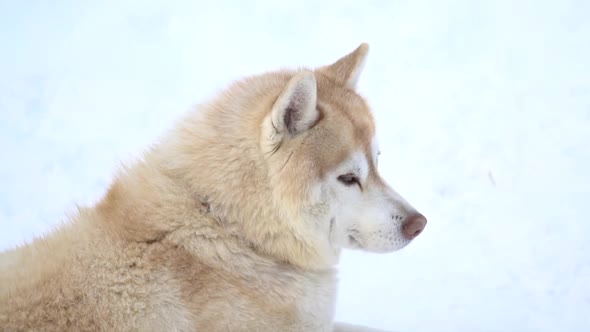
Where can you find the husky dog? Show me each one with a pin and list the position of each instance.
(233, 222)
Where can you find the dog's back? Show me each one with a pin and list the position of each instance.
(79, 278)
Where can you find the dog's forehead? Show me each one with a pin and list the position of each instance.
(351, 108)
(346, 127)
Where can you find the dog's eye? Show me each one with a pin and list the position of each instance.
(349, 179)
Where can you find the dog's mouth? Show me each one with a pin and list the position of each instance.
(354, 237)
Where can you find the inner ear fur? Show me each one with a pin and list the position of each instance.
(295, 110)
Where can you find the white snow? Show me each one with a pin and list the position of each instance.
(483, 110)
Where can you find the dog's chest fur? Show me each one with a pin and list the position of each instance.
(233, 285)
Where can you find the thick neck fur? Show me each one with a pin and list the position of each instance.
(210, 180)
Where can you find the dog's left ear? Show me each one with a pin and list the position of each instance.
(295, 110)
(347, 70)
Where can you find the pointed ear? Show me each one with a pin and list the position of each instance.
(347, 70)
(295, 110)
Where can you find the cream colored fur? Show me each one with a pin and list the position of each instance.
(231, 223)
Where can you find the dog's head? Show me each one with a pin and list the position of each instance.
(322, 155)
(291, 159)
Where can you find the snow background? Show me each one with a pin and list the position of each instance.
(483, 110)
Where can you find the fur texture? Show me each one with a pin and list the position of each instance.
(234, 222)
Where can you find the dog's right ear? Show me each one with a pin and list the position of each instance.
(347, 70)
(295, 110)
